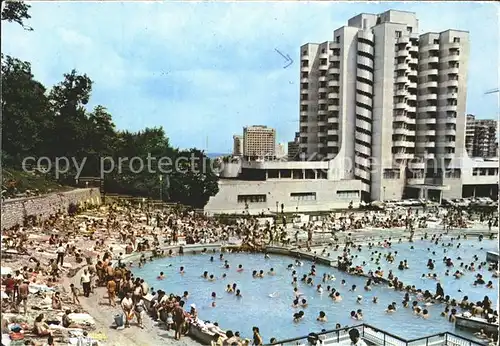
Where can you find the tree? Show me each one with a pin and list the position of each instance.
(59, 125)
(194, 182)
(68, 100)
(25, 110)
(17, 12)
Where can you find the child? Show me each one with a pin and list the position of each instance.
(74, 294)
(170, 320)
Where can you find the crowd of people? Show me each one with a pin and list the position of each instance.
(86, 240)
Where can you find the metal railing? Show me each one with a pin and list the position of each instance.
(376, 336)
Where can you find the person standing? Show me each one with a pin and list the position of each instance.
(85, 281)
(139, 310)
(127, 307)
(23, 295)
(111, 287)
(179, 319)
(61, 251)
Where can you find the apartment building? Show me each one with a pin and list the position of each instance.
(481, 137)
(293, 148)
(237, 145)
(385, 103)
(259, 142)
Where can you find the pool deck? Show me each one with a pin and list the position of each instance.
(475, 324)
(491, 256)
(296, 252)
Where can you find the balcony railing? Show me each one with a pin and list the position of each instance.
(376, 336)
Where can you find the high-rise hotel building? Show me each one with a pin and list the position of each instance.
(385, 103)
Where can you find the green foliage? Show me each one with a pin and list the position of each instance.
(57, 124)
(17, 12)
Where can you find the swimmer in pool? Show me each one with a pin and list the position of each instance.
(211, 277)
(161, 276)
(205, 275)
(359, 299)
(322, 317)
(297, 317)
(238, 294)
(240, 268)
(271, 272)
(229, 289)
(181, 271)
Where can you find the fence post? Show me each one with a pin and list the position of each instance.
(384, 338)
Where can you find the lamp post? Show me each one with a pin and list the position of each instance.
(384, 195)
(277, 205)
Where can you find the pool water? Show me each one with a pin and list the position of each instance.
(274, 316)
(417, 259)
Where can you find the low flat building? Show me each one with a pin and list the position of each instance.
(273, 186)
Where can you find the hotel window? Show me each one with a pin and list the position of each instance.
(456, 39)
(303, 196)
(323, 50)
(398, 34)
(337, 39)
(410, 29)
(436, 41)
(251, 198)
(348, 193)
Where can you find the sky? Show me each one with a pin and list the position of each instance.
(204, 70)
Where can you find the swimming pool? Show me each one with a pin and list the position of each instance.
(274, 315)
(423, 251)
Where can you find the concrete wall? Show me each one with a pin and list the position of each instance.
(226, 200)
(14, 211)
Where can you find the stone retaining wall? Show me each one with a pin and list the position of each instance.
(14, 211)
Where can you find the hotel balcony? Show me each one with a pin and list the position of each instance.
(429, 84)
(333, 107)
(402, 53)
(427, 97)
(428, 60)
(449, 83)
(426, 120)
(333, 70)
(450, 70)
(402, 79)
(403, 144)
(427, 109)
(403, 156)
(429, 72)
(401, 92)
(402, 67)
(448, 108)
(400, 105)
(332, 82)
(403, 40)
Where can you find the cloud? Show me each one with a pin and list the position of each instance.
(209, 68)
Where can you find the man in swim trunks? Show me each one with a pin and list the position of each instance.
(179, 319)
